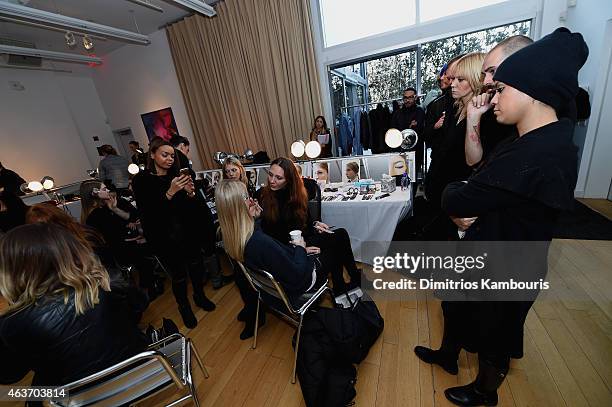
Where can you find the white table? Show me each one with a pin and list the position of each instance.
(371, 221)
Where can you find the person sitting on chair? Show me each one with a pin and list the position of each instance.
(62, 320)
(245, 242)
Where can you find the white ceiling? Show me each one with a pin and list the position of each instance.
(115, 13)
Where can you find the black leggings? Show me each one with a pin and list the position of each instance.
(180, 265)
(336, 254)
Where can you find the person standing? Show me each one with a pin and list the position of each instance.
(516, 195)
(113, 168)
(320, 129)
(411, 116)
(172, 224)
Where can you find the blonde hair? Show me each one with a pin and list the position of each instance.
(234, 219)
(235, 162)
(43, 260)
(469, 68)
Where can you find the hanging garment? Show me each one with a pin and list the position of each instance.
(346, 134)
(366, 135)
(357, 148)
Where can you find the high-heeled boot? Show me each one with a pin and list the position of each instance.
(483, 390)
(445, 357)
(197, 282)
(179, 289)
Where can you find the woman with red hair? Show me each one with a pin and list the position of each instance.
(285, 208)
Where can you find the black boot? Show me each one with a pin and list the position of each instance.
(483, 391)
(445, 357)
(242, 315)
(203, 302)
(197, 282)
(179, 289)
(188, 316)
(249, 326)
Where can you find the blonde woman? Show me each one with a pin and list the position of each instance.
(245, 242)
(448, 164)
(233, 169)
(62, 321)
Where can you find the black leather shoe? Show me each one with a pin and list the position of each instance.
(435, 357)
(469, 396)
(203, 302)
(189, 318)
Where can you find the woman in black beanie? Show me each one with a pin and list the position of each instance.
(516, 196)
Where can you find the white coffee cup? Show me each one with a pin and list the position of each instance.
(295, 235)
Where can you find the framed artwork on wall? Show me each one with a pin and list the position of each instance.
(160, 123)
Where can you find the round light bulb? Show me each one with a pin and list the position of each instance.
(133, 169)
(47, 182)
(298, 148)
(393, 138)
(313, 149)
(35, 186)
(87, 43)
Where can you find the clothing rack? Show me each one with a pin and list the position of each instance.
(371, 103)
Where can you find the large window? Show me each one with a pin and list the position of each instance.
(349, 20)
(383, 79)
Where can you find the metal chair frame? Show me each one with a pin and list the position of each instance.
(145, 371)
(262, 281)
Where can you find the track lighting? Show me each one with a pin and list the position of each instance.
(87, 43)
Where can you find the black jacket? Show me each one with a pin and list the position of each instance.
(435, 109)
(59, 346)
(289, 265)
(448, 163)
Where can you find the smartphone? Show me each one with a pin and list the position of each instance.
(184, 171)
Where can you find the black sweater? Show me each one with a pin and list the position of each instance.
(519, 191)
(290, 265)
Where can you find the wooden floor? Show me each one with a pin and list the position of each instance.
(568, 347)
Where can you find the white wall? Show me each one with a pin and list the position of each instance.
(135, 80)
(593, 18)
(46, 128)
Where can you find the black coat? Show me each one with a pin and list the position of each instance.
(59, 346)
(516, 195)
(435, 109)
(448, 163)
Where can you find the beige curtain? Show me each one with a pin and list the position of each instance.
(248, 76)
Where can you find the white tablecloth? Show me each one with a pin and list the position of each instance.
(372, 221)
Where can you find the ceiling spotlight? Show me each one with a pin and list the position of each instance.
(70, 40)
(393, 138)
(47, 182)
(313, 149)
(87, 43)
(133, 169)
(297, 148)
(35, 186)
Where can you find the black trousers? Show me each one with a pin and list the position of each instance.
(181, 265)
(336, 254)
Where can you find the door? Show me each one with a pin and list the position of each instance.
(123, 138)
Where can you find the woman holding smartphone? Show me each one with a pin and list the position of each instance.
(170, 220)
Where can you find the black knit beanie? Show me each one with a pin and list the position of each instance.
(547, 70)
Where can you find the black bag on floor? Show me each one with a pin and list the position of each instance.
(353, 330)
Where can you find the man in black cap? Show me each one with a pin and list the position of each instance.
(515, 195)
